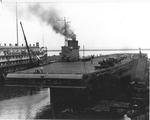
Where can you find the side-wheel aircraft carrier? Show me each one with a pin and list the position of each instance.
(110, 84)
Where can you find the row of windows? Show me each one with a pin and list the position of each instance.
(13, 63)
(12, 57)
(9, 57)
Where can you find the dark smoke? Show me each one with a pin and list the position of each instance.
(51, 16)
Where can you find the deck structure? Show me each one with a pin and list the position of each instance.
(61, 73)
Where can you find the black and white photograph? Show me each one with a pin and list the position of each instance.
(74, 59)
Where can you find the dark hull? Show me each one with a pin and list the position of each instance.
(115, 91)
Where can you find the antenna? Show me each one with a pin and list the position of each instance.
(83, 52)
(43, 36)
(83, 60)
(17, 24)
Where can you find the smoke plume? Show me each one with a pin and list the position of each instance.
(51, 17)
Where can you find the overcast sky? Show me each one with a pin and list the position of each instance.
(98, 24)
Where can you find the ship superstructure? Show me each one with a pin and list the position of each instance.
(116, 83)
(70, 51)
(14, 56)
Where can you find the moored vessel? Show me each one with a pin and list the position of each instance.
(114, 84)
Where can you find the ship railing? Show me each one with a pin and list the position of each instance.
(13, 60)
(118, 67)
(14, 63)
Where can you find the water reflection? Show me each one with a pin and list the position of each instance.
(25, 107)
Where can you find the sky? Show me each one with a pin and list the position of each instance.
(97, 24)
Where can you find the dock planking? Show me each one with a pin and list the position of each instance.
(66, 68)
(59, 74)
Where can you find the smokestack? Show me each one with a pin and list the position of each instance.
(51, 17)
(37, 44)
(74, 37)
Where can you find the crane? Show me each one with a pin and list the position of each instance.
(26, 43)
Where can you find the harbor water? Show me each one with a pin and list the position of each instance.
(22, 103)
(98, 53)
(25, 103)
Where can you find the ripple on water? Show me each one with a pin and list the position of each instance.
(24, 107)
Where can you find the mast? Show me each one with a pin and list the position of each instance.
(17, 24)
(65, 25)
(43, 35)
(65, 30)
(83, 52)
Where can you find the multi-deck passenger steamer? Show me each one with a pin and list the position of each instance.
(116, 83)
(15, 57)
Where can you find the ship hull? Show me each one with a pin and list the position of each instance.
(120, 88)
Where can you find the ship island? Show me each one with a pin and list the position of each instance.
(91, 87)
